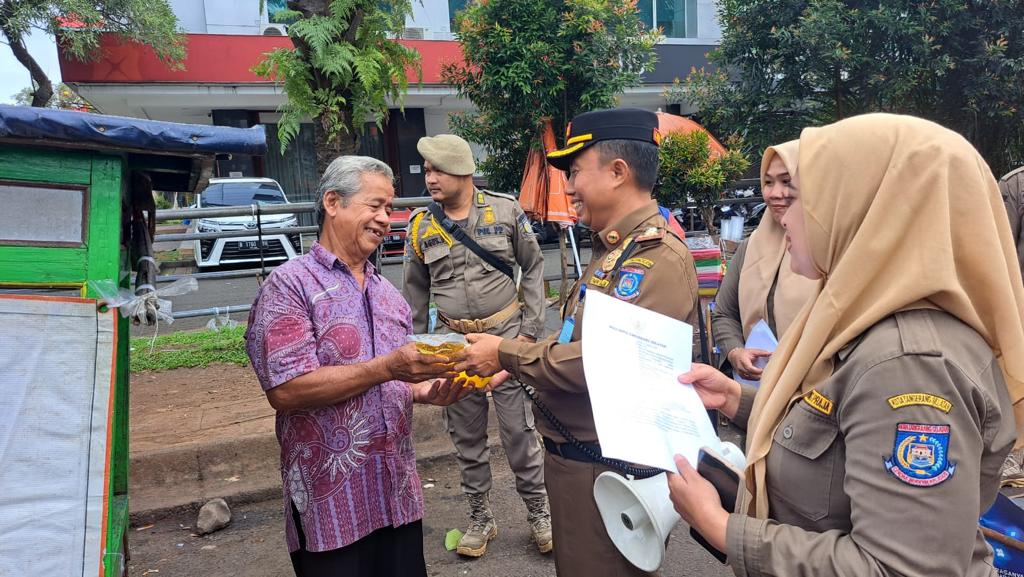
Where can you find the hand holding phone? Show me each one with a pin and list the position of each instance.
(725, 477)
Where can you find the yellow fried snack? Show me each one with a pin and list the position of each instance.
(446, 349)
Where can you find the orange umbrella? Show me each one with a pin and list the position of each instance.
(542, 191)
(531, 197)
(559, 209)
(669, 123)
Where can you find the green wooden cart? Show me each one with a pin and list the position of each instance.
(76, 210)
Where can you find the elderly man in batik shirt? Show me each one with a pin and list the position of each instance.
(328, 341)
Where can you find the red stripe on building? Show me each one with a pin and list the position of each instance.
(217, 59)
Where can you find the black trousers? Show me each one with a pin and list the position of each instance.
(387, 552)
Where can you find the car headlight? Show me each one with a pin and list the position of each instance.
(206, 226)
(293, 221)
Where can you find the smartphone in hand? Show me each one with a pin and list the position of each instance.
(726, 479)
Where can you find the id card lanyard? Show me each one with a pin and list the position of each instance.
(569, 324)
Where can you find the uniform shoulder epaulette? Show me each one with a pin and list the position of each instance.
(650, 234)
(498, 194)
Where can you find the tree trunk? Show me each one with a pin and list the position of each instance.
(44, 89)
(327, 150)
(708, 214)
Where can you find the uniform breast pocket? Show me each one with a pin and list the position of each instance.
(497, 245)
(802, 462)
(438, 259)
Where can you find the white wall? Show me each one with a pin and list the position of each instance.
(708, 27)
(191, 15)
(433, 17)
(220, 16)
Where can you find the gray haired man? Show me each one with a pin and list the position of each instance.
(327, 339)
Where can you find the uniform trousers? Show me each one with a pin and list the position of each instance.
(466, 422)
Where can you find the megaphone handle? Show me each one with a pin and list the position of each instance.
(620, 466)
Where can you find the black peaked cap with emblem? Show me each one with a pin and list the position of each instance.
(608, 124)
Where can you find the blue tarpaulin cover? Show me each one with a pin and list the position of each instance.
(128, 133)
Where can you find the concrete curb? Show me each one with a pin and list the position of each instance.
(150, 500)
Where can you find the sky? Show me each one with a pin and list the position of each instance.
(14, 76)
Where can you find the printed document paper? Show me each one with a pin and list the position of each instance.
(761, 337)
(632, 358)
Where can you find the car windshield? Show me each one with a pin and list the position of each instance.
(242, 194)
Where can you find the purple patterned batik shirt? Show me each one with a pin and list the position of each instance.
(349, 468)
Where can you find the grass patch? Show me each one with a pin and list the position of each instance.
(189, 349)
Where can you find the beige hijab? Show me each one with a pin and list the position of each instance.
(900, 213)
(767, 258)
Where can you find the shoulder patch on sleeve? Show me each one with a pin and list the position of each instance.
(523, 222)
(920, 456)
(925, 399)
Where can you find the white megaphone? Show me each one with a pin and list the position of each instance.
(638, 513)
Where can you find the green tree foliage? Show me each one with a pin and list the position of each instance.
(344, 68)
(792, 64)
(78, 25)
(690, 173)
(529, 59)
(64, 98)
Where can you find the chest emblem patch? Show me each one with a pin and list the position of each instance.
(629, 283)
(921, 455)
(488, 217)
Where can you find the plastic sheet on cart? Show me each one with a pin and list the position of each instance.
(55, 394)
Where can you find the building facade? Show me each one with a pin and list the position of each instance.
(226, 38)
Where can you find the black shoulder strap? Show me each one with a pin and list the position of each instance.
(461, 236)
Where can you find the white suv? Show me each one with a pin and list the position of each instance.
(278, 245)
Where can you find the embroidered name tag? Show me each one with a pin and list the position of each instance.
(910, 399)
(644, 262)
(820, 402)
(598, 282)
(920, 455)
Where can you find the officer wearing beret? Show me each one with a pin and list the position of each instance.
(612, 160)
(476, 292)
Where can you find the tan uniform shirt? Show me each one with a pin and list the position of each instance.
(462, 284)
(659, 276)
(887, 468)
(1012, 188)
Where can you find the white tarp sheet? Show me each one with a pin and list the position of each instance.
(56, 362)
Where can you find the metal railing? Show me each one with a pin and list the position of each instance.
(257, 211)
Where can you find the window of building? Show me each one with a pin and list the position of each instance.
(676, 18)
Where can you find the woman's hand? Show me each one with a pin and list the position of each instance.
(697, 502)
(715, 390)
(744, 362)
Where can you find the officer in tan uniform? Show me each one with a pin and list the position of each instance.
(471, 281)
(612, 160)
(882, 420)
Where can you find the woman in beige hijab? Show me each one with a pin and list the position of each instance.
(759, 283)
(883, 417)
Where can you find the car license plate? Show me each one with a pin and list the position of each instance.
(393, 238)
(253, 244)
